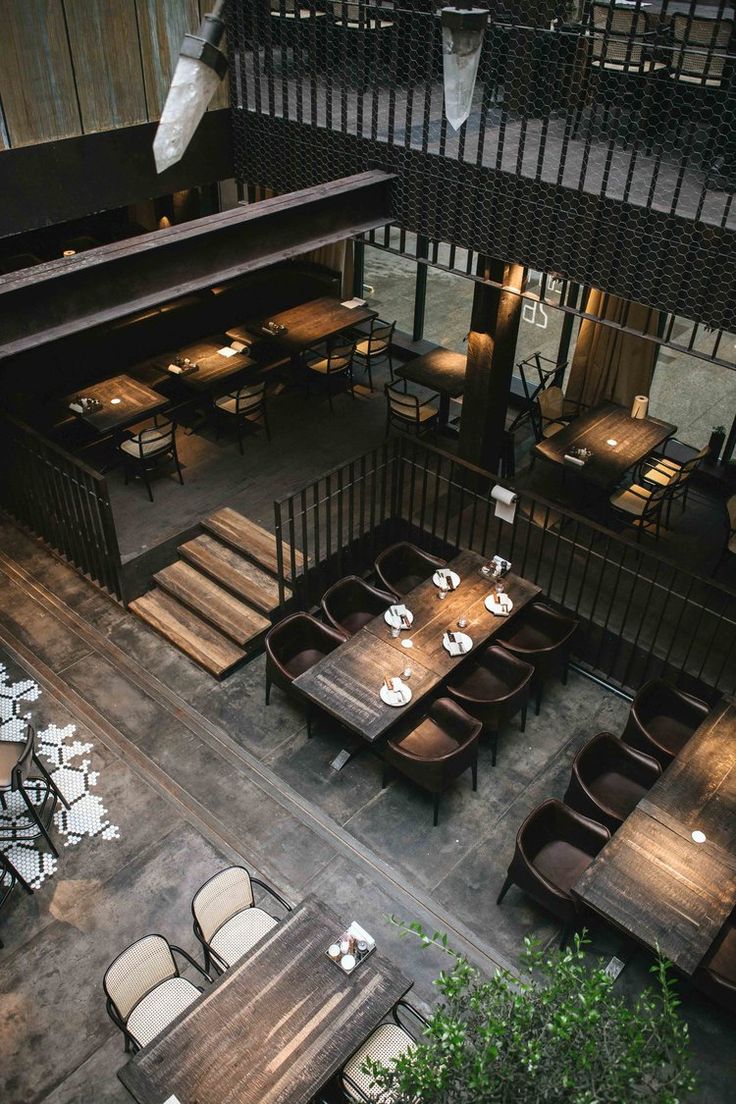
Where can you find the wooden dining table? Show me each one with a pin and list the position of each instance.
(306, 324)
(276, 1027)
(653, 880)
(617, 441)
(347, 682)
(440, 370)
(215, 367)
(123, 401)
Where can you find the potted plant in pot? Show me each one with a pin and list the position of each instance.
(556, 1035)
(715, 444)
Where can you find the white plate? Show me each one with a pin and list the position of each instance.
(495, 607)
(392, 618)
(439, 576)
(390, 697)
(460, 638)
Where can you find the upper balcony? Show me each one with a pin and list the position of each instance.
(616, 115)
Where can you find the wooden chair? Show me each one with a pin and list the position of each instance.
(227, 921)
(375, 348)
(247, 405)
(673, 475)
(390, 1041)
(641, 506)
(332, 364)
(143, 452)
(405, 411)
(699, 71)
(551, 417)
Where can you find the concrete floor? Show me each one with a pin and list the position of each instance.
(195, 773)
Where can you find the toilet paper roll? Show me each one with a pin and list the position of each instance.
(640, 406)
(505, 503)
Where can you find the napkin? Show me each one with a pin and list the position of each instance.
(76, 407)
(176, 369)
(397, 689)
(504, 603)
(575, 460)
(353, 303)
(454, 647)
(400, 610)
(361, 934)
(227, 351)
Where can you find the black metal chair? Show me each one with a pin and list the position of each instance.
(8, 881)
(39, 794)
(143, 452)
(374, 348)
(390, 1040)
(405, 411)
(333, 364)
(227, 921)
(247, 405)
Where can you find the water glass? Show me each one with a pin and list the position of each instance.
(407, 672)
(462, 622)
(395, 632)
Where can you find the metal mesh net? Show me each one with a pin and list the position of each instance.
(600, 142)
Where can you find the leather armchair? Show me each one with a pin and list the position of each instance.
(292, 647)
(543, 637)
(403, 566)
(662, 720)
(554, 846)
(716, 975)
(494, 690)
(352, 602)
(437, 751)
(608, 779)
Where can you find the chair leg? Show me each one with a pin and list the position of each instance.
(268, 687)
(147, 481)
(385, 775)
(523, 716)
(474, 772)
(310, 718)
(505, 888)
(494, 747)
(32, 810)
(436, 810)
(565, 936)
(564, 670)
(266, 426)
(50, 782)
(18, 876)
(538, 698)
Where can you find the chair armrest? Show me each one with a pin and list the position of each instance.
(272, 893)
(431, 399)
(192, 961)
(422, 1020)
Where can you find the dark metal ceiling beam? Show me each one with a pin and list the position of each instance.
(65, 296)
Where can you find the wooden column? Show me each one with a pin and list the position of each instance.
(494, 328)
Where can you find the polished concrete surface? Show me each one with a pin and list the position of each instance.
(196, 773)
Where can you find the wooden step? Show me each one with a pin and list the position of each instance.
(233, 572)
(189, 633)
(250, 540)
(210, 602)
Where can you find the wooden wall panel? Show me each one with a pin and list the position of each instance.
(36, 75)
(107, 62)
(162, 25)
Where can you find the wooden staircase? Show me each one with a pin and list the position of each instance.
(216, 602)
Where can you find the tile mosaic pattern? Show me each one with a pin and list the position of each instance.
(68, 762)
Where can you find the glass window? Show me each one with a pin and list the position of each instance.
(693, 394)
(448, 310)
(389, 285)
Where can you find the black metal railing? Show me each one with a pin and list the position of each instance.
(641, 614)
(57, 497)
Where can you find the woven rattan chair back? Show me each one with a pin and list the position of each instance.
(551, 402)
(708, 39)
(155, 440)
(224, 895)
(139, 969)
(615, 34)
(250, 399)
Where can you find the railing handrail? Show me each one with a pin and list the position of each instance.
(53, 447)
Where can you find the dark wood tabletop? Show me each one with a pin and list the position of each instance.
(434, 616)
(306, 325)
(653, 880)
(136, 402)
(440, 370)
(275, 1027)
(634, 439)
(346, 683)
(215, 370)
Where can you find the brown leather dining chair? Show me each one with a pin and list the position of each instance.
(662, 719)
(609, 778)
(292, 647)
(434, 753)
(554, 845)
(403, 566)
(543, 637)
(716, 975)
(351, 603)
(494, 690)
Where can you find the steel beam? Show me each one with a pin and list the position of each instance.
(65, 296)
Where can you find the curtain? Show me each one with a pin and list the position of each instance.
(608, 363)
(338, 257)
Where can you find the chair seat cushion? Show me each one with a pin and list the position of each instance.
(302, 661)
(489, 684)
(669, 732)
(353, 622)
(662, 475)
(552, 428)
(10, 751)
(630, 67)
(617, 792)
(526, 636)
(634, 500)
(427, 741)
(387, 1043)
(325, 366)
(241, 932)
(561, 863)
(375, 348)
(150, 448)
(159, 1008)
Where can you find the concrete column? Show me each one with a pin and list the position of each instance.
(494, 329)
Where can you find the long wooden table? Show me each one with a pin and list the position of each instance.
(306, 325)
(346, 683)
(275, 1027)
(653, 880)
(618, 442)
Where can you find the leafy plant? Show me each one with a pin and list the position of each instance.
(719, 429)
(556, 1035)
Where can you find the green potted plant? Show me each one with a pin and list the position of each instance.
(715, 444)
(556, 1035)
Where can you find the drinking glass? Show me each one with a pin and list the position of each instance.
(395, 631)
(407, 672)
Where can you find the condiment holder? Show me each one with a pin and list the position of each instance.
(352, 948)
